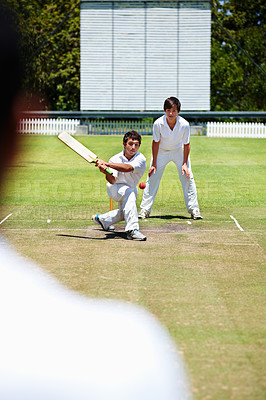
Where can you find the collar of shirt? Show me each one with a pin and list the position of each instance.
(124, 159)
(166, 124)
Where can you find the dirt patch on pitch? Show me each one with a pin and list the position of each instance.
(168, 228)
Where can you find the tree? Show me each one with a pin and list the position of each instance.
(50, 55)
(237, 37)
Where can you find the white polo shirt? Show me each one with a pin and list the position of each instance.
(131, 179)
(171, 139)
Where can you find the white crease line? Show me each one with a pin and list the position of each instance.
(92, 230)
(239, 244)
(3, 220)
(42, 229)
(144, 221)
(237, 224)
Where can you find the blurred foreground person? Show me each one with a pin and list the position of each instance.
(56, 344)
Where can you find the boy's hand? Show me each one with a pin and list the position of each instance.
(185, 170)
(101, 165)
(152, 169)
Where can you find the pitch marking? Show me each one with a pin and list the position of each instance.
(237, 224)
(3, 220)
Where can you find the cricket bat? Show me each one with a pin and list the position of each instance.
(81, 150)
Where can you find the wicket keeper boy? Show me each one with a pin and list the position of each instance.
(128, 167)
(171, 142)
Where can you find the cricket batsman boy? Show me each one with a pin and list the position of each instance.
(171, 142)
(128, 167)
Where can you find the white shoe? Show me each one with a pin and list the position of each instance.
(96, 219)
(144, 214)
(195, 214)
(135, 235)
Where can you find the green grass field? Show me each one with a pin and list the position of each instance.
(204, 280)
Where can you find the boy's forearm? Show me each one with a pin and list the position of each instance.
(121, 167)
(186, 153)
(155, 149)
(110, 178)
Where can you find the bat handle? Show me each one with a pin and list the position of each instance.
(107, 169)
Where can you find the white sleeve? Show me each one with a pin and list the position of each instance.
(156, 132)
(139, 163)
(114, 171)
(186, 135)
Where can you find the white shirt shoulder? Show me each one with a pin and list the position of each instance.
(182, 121)
(158, 123)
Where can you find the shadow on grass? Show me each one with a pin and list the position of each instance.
(109, 235)
(168, 217)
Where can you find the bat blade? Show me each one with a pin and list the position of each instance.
(79, 148)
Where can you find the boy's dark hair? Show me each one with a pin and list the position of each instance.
(171, 102)
(132, 135)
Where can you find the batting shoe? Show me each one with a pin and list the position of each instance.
(96, 219)
(135, 235)
(195, 214)
(144, 214)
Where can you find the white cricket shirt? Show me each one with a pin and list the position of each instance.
(171, 139)
(138, 162)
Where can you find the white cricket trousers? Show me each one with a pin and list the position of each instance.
(188, 184)
(126, 198)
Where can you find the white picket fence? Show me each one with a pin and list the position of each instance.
(237, 130)
(53, 126)
(47, 126)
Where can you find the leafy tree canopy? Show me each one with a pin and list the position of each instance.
(238, 84)
(52, 60)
